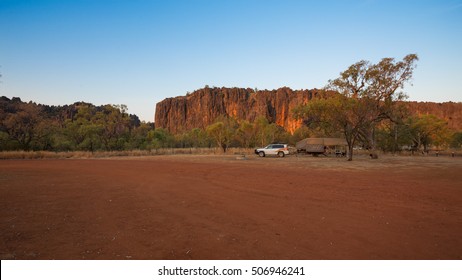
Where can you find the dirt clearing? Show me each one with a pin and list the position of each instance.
(219, 207)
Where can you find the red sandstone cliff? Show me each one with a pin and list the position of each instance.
(200, 108)
(203, 106)
(449, 111)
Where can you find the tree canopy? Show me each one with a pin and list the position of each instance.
(363, 95)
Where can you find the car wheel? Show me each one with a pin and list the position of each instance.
(281, 154)
(261, 154)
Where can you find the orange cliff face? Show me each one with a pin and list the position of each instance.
(293, 125)
(200, 108)
(451, 112)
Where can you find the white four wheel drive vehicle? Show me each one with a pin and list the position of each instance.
(279, 150)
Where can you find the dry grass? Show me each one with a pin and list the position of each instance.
(166, 151)
(33, 155)
(105, 154)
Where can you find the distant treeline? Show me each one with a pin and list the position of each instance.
(80, 126)
(86, 127)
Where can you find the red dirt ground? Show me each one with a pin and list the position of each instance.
(219, 207)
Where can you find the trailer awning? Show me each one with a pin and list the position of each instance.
(321, 141)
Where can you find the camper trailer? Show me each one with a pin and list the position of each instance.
(321, 146)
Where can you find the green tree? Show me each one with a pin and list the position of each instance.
(300, 134)
(364, 95)
(428, 130)
(392, 133)
(245, 134)
(23, 125)
(84, 131)
(222, 132)
(392, 136)
(139, 136)
(47, 129)
(456, 140)
(160, 138)
(265, 132)
(338, 113)
(115, 125)
(198, 138)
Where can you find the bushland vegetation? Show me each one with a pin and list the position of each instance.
(364, 105)
(367, 108)
(89, 128)
(77, 127)
(29, 130)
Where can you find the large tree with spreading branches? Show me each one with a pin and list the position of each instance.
(363, 96)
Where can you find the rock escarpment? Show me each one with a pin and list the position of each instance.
(200, 108)
(449, 111)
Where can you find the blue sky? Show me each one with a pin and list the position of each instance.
(139, 52)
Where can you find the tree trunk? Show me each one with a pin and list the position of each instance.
(395, 144)
(372, 145)
(350, 141)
